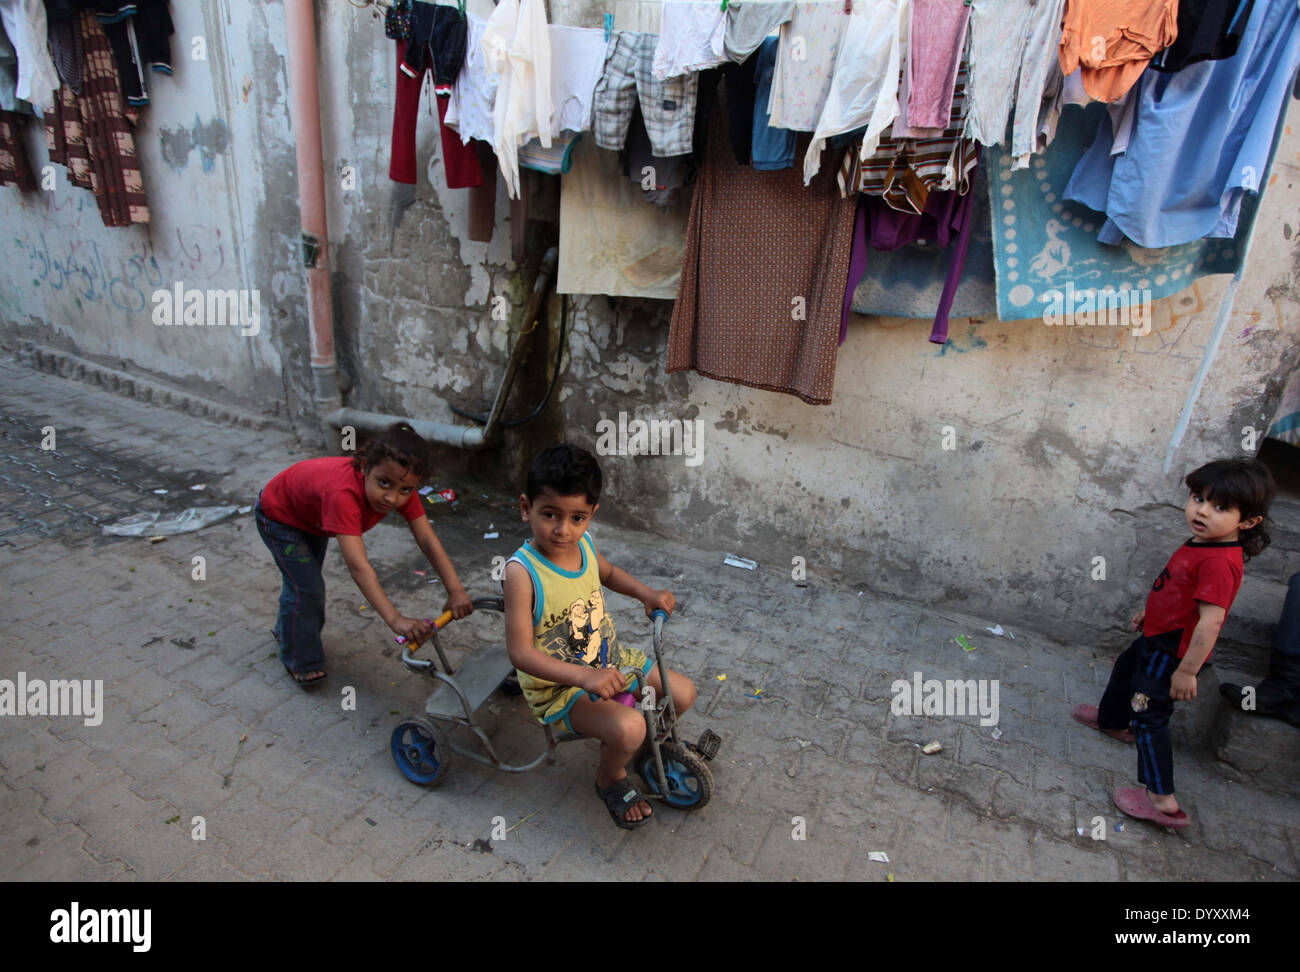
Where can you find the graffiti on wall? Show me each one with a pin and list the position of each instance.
(64, 259)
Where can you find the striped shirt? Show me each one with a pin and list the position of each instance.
(904, 171)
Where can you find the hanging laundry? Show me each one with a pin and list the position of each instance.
(945, 221)
(469, 106)
(153, 32)
(1208, 129)
(864, 85)
(517, 49)
(1045, 245)
(555, 160)
(1121, 112)
(690, 38)
(611, 242)
(26, 25)
(65, 41)
(437, 45)
(9, 77)
(805, 65)
(658, 178)
(577, 60)
(910, 281)
(1014, 68)
(1113, 41)
(749, 24)
(1208, 30)
(740, 107)
(772, 148)
(936, 39)
(762, 281)
(15, 170)
(90, 135)
(668, 106)
(120, 32)
(905, 171)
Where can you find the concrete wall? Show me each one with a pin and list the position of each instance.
(1060, 434)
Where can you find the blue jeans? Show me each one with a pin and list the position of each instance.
(300, 557)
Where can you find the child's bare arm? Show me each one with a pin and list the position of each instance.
(621, 582)
(354, 555)
(1182, 686)
(518, 587)
(458, 601)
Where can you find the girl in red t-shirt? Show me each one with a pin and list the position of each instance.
(311, 501)
(1227, 512)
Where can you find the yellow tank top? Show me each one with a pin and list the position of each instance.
(569, 623)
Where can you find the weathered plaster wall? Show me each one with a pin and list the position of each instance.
(212, 147)
(1060, 434)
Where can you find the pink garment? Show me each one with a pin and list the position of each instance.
(938, 36)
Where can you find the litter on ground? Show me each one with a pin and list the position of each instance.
(168, 524)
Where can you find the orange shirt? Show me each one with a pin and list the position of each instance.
(1111, 42)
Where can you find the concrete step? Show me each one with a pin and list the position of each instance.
(1255, 750)
(1255, 610)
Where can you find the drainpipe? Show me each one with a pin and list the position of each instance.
(468, 436)
(304, 89)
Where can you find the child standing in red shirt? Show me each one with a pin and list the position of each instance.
(1226, 511)
(311, 501)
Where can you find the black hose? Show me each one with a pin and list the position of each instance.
(555, 374)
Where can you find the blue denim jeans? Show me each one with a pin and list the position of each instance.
(300, 557)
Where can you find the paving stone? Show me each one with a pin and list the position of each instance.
(155, 848)
(66, 778)
(66, 860)
(383, 836)
(194, 786)
(210, 865)
(108, 811)
(26, 743)
(1051, 856)
(247, 824)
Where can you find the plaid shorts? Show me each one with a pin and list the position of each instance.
(667, 106)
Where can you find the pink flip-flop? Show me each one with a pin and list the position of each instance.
(1133, 801)
(1087, 714)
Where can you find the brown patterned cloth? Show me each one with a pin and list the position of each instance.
(755, 241)
(91, 135)
(14, 167)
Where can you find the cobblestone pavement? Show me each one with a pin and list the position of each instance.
(200, 719)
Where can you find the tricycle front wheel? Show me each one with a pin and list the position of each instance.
(690, 781)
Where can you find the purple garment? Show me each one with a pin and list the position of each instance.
(946, 220)
(938, 36)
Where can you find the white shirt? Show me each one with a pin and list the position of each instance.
(691, 34)
(517, 49)
(864, 87)
(469, 109)
(24, 22)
